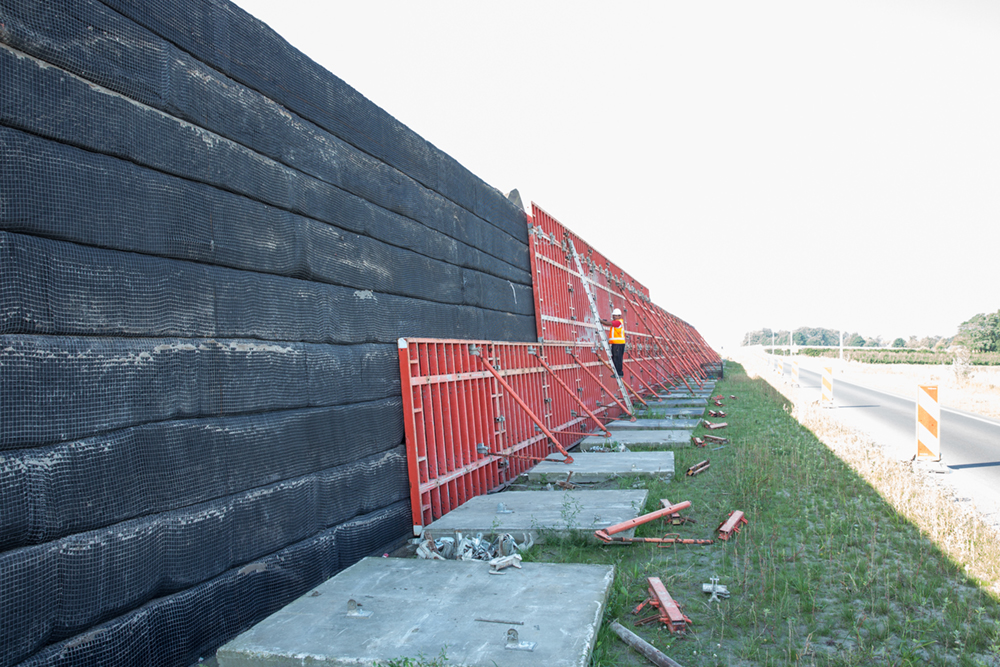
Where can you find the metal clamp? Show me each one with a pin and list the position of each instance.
(354, 609)
(514, 644)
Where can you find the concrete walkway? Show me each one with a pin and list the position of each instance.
(418, 606)
(599, 467)
(536, 512)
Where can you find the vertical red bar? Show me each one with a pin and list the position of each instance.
(409, 427)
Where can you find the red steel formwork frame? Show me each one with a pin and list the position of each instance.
(662, 351)
(469, 432)
(479, 413)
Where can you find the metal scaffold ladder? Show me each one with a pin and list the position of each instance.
(602, 335)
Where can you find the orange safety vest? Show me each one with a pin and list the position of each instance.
(617, 333)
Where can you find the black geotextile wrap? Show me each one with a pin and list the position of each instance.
(107, 292)
(102, 121)
(155, 467)
(209, 247)
(170, 629)
(64, 388)
(104, 47)
(227, 39)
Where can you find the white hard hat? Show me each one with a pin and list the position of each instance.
(616, 311)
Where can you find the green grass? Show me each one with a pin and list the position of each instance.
(825, 573)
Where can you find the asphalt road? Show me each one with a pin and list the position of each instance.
(970, 444)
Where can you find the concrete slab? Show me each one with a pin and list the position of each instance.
(673, 402)
(671, 411)
(421, 607)
(652, 425)
(534, 511)
(599, 467)
(661, 438)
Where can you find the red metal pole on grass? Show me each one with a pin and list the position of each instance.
(604, 533)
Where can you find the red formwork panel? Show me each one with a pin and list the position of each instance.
(661, 347)
(479, 413)
(466, 434)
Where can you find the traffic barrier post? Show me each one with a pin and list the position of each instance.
(826, 395)
(928, 419)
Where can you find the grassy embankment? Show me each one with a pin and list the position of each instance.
(825, 573)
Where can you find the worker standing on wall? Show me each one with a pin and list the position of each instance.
(616, 338)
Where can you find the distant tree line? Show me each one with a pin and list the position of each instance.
(980, 333)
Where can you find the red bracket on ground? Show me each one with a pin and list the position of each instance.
(669, 612)
(713, 425)
(697, 468)
(732, 525)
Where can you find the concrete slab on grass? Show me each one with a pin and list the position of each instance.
(670, 410)
(672, 402)
(661, 438)
(533, 511)
(652, 425)
(419, 607)
(599, 467)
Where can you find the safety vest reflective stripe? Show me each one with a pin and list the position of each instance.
(617, 334)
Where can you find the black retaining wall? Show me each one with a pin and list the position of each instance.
(208, 248)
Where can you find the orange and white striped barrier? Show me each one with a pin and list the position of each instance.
(826, 394)
(795, 373)
(778, 366)
(928, 419)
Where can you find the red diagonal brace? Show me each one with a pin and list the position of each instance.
(663, 334)
(524, 406)
(639, 363)
(731, 525)
(678, 338)
(598, 381)
(624, 384)
(572, 394)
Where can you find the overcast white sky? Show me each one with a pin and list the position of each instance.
(754, 164)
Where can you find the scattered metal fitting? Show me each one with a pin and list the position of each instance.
(515, 644)
(354, 609)
(503, 509)
(717, 590)
(502, 563)
(567, 484)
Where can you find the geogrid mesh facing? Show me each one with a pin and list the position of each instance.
(208, 248)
